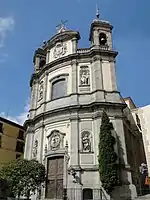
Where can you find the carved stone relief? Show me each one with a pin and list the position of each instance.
(45, 150)
(35, 147)
(84, 76)
(60, 50)
(41, 87)
(86, 141)
(55, 140)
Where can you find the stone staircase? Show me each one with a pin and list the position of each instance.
(145, 197)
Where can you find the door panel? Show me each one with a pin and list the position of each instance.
(54, 188)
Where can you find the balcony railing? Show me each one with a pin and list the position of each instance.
(86, 50)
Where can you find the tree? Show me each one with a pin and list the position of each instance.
(24, 176)
(107, 156)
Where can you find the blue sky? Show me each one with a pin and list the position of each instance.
(24, 25)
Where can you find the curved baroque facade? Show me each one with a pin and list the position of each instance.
(70, 87)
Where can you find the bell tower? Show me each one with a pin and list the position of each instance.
(101, 33)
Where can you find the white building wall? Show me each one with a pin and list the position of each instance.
(144, 115)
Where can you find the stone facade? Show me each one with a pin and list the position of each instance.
(70, 87)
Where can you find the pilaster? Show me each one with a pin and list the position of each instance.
(74, 77)
(34, 94)
(74, 160)
(29, 143)
(37, 63)
(113, 76)
(41, 144)
(74, 45)
(97, 79)
(48, 56)
(96, 37)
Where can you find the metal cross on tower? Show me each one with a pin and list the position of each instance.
(97, 12)
(61, 27)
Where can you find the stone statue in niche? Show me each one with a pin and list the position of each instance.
(84, 76)
(35, 147)
(86, 142)
(41, 91)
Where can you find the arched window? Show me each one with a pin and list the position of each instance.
(59, 88)
(102, 39)
(87, 194)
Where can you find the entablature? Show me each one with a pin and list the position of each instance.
(82, 55)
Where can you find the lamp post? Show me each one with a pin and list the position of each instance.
(67, 158)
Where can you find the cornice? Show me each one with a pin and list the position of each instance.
(78, 108)
(63, 36)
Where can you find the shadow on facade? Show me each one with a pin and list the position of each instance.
(122, 191)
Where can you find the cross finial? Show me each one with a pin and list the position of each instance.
(61, 27)
(97, 11)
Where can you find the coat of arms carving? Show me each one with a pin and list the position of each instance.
(60, 50)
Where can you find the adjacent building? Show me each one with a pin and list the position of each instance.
(11, 141)
(141, 116)
(144, 120)
(134, 143)
(70, 88)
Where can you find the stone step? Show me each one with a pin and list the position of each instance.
(145, 197)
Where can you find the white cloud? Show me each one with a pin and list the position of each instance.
(20, 119)
(6, 25)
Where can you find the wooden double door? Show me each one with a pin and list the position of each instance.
(55, 171)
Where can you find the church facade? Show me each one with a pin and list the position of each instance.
(70, 88)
